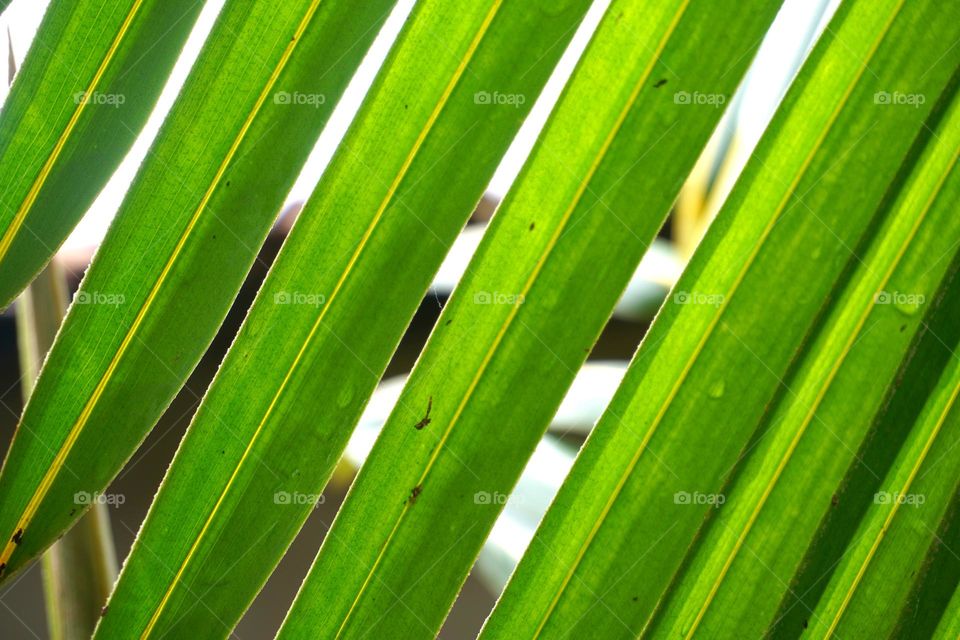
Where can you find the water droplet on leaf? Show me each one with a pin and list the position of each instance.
(907, 308)
(716, 389)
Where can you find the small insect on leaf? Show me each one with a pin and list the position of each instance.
(414, 493)
(426, 419)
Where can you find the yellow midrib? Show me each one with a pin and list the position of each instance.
(514, 310)
(418, 144)
(808, 418)
(709, 331)
(578, 195)
(481, 33)
(281, 64)
(7, 240)
(17, 223)
(893, 511)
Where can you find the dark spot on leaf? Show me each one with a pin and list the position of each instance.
(805, 624)
(72, 511)
(532, 225)
(426, 418)
(448, 322)
(18, 536)
(835, 500)
(660, 83)
(414, 493)
(635, 598)
(228, 183)
(903, 328)
(103, 610)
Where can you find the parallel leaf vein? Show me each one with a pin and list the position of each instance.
(17, 223)
(18, 220)
(894, 509)
(717, 317)
(851, 341)
(281, 64)
(532, 278)
(482, 32)
(57, 464)
(391, 192)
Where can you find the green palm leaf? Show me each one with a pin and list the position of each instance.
(559, 253)
(907, 564)
(79, 569)
(949, 625)
(83, 94)
(901, 531)
(171, 264)
(781, 458)
(795, 470)
(747, 305)
(346, 283)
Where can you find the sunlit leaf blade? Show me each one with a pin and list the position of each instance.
(657, 461)
(171, 264)
(345, 285)
(558, 255)
(927, 359)
(794, 471)
(80, 568)
(85, 89)
(936, 577)
(949, 626)
(902, 557)
(899, 538)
